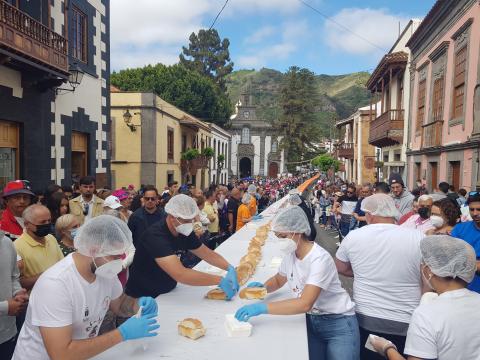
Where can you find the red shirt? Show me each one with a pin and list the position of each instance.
(10, 225)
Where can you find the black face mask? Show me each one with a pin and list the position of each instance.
(42, 230)
(424, 212)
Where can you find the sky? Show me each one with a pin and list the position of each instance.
(274, 34)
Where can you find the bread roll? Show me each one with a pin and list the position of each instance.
(244, 271)
(249, 259)
(253, 293)
(254, 246)
(256, 242)
(255, 252)
(216, 294)
(191, 328)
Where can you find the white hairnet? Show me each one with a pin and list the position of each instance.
(447, 256)
(246, 198)
(294, 199)
(102, 236)
(251, 189)
(291, 220)
(380, 205)
(182, 206)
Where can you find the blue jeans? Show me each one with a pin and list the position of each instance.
(333, 337)
(344, 226)
(323, 215)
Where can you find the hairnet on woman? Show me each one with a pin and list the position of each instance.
(310, 272)
(446, 327)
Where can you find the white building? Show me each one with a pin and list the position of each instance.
(220, 143)
(48, 133)
(390, 87)
(255, 147)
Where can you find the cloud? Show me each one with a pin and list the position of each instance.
(260, 35)
(291, 36)
(377, 25)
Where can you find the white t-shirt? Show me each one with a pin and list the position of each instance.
(62, 297)
(447, 328)
(385, 259)
(317, 268)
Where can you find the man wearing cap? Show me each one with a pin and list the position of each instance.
(384, 261)
(470, 232)
(156, 268)
(36, 247)
(87, 205)
(402, 197)
(17, 196)
(69, 301)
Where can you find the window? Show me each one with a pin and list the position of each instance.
(184, 143)
(79, 35)
(437, 105)
(459, 82)
(421, 103)
(245, 135)
(170, 141)
(274, 146)
(418, 171)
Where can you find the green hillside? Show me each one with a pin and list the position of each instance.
(337, 96)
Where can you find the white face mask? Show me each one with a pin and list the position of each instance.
(287, 245)
(109, 270)
(184, 229)
(437, 221)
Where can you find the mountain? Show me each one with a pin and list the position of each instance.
(338, 95)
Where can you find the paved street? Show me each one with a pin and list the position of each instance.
(326, 239)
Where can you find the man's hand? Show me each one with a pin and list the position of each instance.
(21, 296)
(16, 307)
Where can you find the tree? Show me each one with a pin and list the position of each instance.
(297, 125)
(325, 162)
(186, 89)
(208, 55)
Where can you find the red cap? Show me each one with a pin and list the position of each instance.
(17, 187)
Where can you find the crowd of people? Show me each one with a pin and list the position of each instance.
(107, 234)
(78, 263)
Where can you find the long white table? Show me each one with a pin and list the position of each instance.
(273, 337)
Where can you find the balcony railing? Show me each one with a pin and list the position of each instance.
(387, 129)
(25, 36)
(345, 150)
(432, 134)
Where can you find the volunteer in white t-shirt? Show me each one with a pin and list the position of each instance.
(384, 260)
(70, 299)
(309, 271)
(446, 328)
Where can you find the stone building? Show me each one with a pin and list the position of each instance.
(255, 147)
(49, 133)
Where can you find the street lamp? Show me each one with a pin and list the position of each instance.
(127, 118)
(74, 79)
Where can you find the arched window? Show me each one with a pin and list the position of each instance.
(245, 135)
(274, 146)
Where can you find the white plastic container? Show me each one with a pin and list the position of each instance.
(237, 328)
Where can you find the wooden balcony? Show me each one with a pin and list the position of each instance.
(345, 150)
(25, 38)
(432, 134)
(387, 129)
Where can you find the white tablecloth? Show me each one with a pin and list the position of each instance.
(273, 337)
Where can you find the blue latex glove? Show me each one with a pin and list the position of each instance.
(232, 276)
(228, 287)
(255, 284)
(247, 311)
(257, 217)
(136, 328)
(148, 305)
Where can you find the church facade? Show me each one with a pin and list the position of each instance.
(255, 147)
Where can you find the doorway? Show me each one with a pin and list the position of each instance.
(245, 167)
(434, 175)
(9, 154)
(455, 171)
(273, 170)
(79, 154)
